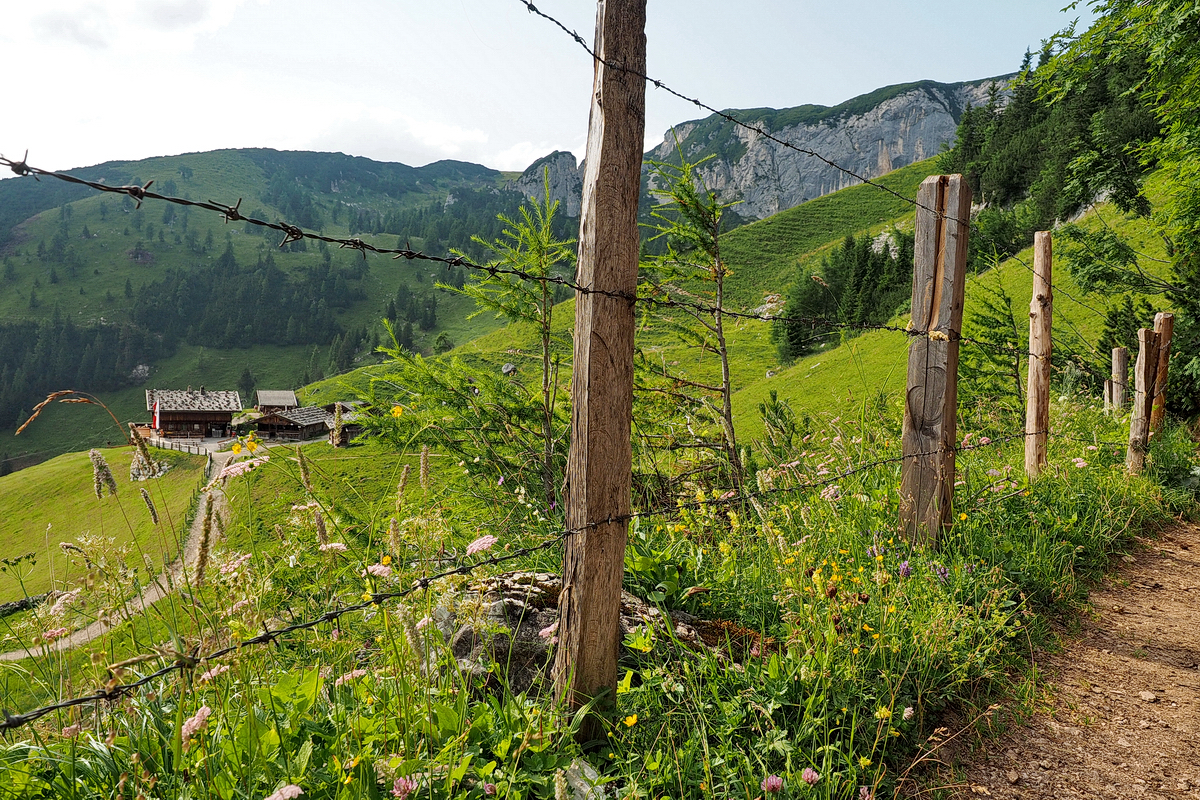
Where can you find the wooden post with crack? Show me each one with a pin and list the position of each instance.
(931, 399)
(1037, 395)
(1144, 373)
(1164, 326)
(599, 467)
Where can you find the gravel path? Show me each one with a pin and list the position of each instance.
(1123, 715)
(156, 591)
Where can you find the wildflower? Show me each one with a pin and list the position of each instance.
(237, 468)
(983, 440)
(771, 784)
(64, 601)
(71, 731)
(424, 623)
(810, 776)
(54, 633)
(908, 713)
(397, 411)
(560, 786)
(631, 720)
(864, 793)
(379, 571)
(962, 517)
(489, 789)
(352, 675)
(403, 787)
(883, 713)
(236, 448)
(232, 566)
(864, 762)
(905, 569)
(289, 792)
(831, 493)
(549, 631)
(481, 544)
(193, 724)
(943, 573)
(994, 473)
(501, 481)
(215, 672)
(336, 547)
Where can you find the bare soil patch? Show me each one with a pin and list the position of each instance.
(1122, 718)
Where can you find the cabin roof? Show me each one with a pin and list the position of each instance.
(277, 397)
(188, 400)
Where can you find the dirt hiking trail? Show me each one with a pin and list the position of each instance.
(171, 576)
(1123, 716)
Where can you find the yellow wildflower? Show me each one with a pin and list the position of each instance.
(397, 411)
(963, 516)
(385, 560)
(864, 762)
(631, 720)
(236, 448)
(883, 713)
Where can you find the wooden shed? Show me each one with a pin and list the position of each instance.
(270, 400)
(295, 424)
(192, 414)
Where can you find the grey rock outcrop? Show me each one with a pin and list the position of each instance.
(870, 135)
(908, 123)
(566, 181)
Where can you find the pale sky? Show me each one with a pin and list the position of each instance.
(415, 81)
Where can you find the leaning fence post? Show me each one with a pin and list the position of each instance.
(1037, 409)
(1164, 326)
(931, 400)
(599, 466)
(1144, 373)
(1120, 378)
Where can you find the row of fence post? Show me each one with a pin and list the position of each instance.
(1150, 374)
(597, 491)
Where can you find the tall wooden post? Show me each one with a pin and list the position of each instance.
(1144, 373)
(599, 467)
(1164, 326)
(931, 399)
(1037, 408)
(1120, 378)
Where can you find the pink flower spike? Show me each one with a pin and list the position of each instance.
(379, 570)
(336, 547)
(424, 623)
(193, 724)
(403, 787)
(984, 440)
(289, 792)
(481, 544)
(352, 675)
(772, 784)
(548, 631)
(810, 776)
(71, 731)
(54, 633)
(215, 672)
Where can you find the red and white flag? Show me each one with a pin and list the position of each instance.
(156, 422)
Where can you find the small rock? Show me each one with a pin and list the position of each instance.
(1044, 764)
(1124, 742)
(1012, 776)
(1149, 697)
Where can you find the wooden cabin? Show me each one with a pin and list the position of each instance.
(295, 424)
(271, 400)
(183, 413)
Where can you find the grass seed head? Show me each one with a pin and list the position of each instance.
(205, 539)
(150, 506)
(425, 468)
(102, 477)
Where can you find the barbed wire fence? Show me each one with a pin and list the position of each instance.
(183, 662)
(650, 295)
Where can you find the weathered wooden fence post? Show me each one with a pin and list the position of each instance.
(1120, 378)
(599, 467)
(1144, 373)
(1164, 326)
(931, 399)
(1037, 408)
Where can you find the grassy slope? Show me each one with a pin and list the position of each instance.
(30, 524)
(766, 258)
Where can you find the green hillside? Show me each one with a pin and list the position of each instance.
(199, 301)
(119, 527)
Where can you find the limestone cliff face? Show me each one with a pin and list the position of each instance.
(870, 135)
(566, 181)
(907, 124)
